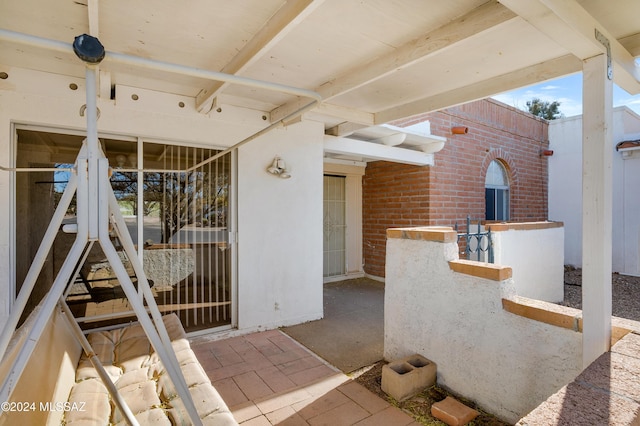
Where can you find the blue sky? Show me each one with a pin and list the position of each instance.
(566, 90)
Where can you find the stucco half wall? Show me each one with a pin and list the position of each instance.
(508, 364)
(535, 251)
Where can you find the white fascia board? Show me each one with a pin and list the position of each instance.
(374, 151)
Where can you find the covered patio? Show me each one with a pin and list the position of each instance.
(259, 97)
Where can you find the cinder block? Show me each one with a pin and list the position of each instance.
(453, 412)
(404, 378)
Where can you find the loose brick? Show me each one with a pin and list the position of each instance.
(453, 412)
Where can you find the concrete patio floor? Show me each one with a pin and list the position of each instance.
(351, 334)
(268, 378)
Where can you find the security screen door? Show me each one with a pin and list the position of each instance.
(334, 226)
(179, 222)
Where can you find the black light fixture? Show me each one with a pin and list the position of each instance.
(88, 48)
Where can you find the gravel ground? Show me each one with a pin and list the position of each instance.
(625, 293)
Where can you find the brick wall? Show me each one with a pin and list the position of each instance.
(397, 195)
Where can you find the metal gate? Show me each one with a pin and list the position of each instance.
(476, 245)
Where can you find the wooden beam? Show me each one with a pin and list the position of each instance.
(632, 44)
(479, 19)
(524, 77)
(344, 129)
(345, 113)
(280, 24)
(374, 151)
(567, 23)
(92, 11)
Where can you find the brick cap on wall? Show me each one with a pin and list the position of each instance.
(481, 270)
(522, 226)
(443, 234)
(564, 316)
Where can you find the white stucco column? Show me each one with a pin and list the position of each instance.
(597, 156)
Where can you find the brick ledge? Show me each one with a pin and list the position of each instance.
(564, 316)
(489, 271)
(522, 226)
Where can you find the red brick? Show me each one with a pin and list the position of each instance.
(402, 195)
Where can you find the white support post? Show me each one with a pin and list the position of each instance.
(597, 206)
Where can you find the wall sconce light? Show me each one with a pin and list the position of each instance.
(279, 168)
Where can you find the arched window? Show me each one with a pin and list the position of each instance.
(496, 192)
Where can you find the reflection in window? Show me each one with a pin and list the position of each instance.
(496, 192)
(178, 221)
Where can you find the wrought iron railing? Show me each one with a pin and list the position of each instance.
(475, 245)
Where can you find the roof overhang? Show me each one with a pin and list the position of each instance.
(409, 145)
(370, 63)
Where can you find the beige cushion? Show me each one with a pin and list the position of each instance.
(143, 382)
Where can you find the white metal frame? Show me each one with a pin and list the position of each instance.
(98, 213)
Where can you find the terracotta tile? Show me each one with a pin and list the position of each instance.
(252, 385)
(229, 371)
(255, 357)
(201, 351)
(363, 397)
(277, 401)
(275, 379)
(312, 408)
(229, 358)
(220, 347)
(268, 349)
(245, 411)
(286, 416)
(311, 374)
(389, 416)
(343, 415)
(285, 342)
(299, 365)
(239, 344)
(257, 421)
(326, 384)
(287, 356)
(209, 363)
(230, 392)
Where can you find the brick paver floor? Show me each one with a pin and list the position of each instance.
(268, 378)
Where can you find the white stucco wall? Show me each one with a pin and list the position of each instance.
(537, 259)
(506, 363)
(279, 221)
(565, 189)
(280, 229)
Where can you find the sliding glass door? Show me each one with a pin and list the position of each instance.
(177, 206)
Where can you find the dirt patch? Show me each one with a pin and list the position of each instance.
(419, 407)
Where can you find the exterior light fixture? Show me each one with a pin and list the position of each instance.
(279, 168)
